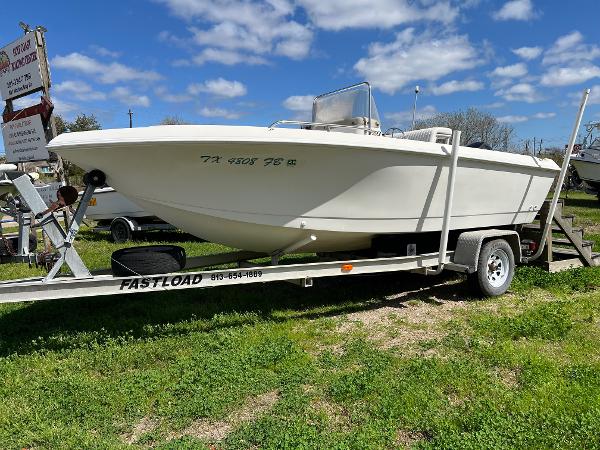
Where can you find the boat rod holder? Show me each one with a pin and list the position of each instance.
(561, 178)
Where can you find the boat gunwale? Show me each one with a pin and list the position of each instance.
(523, 160)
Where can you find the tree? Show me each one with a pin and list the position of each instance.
(82, 122)
(173, 120)
(476, 126)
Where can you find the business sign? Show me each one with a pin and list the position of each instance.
(25, 140)
(48, 192)
(20, 68)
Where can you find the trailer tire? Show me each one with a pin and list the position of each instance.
(120, 231)
(148, 260)
(495, 269)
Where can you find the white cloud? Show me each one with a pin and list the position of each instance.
(528, 52)
(299, 103)
(79, 90)
(512, 71)
(63, 108)
(570, 49)
(457, 86)
(593, 99)
(493, 105)
(105, 73)
(512, 119)
(544, 115)
(26, 102)
(521, 92)
(218, 112)
(219, 87)
(515, 10)
(226, 57)
(105, 52)
(563, 76)
(339, 14)
(403, 119)
(242, 28)
(125, 96)
(410, 58)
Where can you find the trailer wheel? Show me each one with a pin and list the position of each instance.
(149, 260)
(495, 269)
(120, 231)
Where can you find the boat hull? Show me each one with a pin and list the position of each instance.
(263, 190)
(587, 169)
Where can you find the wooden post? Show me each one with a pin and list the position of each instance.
(51, 132)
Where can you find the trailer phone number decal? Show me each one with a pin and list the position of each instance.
(167, 281)
(265, 162)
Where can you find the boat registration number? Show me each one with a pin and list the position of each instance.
(248, 161)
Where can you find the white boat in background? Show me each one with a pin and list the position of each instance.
(587, 160)
(336, 178)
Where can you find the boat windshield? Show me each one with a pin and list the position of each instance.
(595, 144)
(343, 105)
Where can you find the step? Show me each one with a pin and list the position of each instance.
(584, 243)
(572, 252)
(555, 228)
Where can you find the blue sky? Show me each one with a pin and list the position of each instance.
(253, 62)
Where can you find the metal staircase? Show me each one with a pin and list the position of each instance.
(566, 252)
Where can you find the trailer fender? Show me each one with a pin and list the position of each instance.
(469, 245)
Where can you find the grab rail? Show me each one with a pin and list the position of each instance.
(322, 124)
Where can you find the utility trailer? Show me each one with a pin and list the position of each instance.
(120, 216)
(487, 256)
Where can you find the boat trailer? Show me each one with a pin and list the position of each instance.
(488, 256)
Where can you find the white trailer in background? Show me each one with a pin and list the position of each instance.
(115, 213)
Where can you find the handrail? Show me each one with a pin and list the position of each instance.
(561, 179)
(319, 124)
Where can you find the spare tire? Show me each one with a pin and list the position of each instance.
(148, 260)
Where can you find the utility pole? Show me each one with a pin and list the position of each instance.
(534, 147)
(415, 106)
(130, 113)
(540, 153)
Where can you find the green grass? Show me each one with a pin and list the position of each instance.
(390, 361)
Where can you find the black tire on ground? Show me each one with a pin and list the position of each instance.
(495, 269)
(13, 242)
(149, 260)
(120, 231)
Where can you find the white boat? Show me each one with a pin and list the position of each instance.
(587, 160)
(337, 178)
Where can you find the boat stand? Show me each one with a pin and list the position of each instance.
(62, 241)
